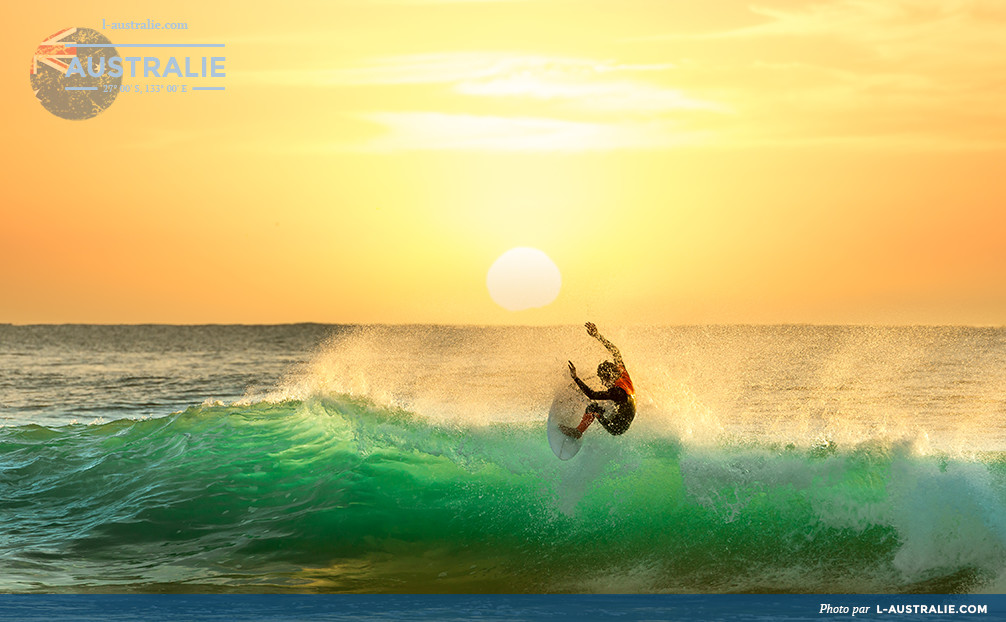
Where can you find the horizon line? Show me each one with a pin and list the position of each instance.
(462, 325)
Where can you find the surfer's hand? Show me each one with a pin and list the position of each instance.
(572, 370)
(592, 329)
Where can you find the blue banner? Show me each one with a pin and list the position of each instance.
(496, 607)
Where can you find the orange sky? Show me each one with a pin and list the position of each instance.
(681, 162)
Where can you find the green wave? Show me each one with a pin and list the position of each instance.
(339, 494)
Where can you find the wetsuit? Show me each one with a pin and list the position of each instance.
(624, 397)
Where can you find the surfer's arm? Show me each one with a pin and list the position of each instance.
(591, 393)
(613, 394)
(592, 331)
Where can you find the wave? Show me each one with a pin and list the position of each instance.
(340, 494)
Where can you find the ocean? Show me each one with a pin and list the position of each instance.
(413, 459)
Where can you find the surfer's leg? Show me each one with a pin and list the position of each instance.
(588, 417)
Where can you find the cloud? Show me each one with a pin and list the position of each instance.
(442, 68)
(905, 74)
(895, 73)
(584, 84)
(562, 103)
(438, 131)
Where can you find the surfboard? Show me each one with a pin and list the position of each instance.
(567, 408)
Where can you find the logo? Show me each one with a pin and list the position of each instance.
(77, 73)
(75, 95)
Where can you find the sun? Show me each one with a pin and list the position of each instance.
(523, 278)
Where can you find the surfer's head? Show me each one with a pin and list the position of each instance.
(608, 373)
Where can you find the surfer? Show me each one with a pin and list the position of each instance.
(619, 390)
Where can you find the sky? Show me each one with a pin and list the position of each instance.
(681, 162)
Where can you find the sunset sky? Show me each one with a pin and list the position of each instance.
(681, 162)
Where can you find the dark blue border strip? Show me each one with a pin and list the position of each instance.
(496, 607)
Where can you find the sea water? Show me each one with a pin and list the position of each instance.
(310, 458)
